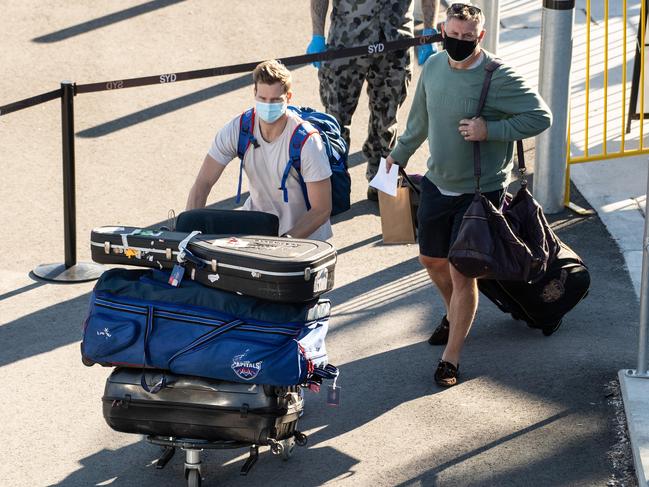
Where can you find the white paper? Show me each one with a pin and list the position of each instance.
(386, 181)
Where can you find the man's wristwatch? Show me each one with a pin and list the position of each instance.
(286, 235)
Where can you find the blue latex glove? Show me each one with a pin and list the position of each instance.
(426, 50)
(316, 45)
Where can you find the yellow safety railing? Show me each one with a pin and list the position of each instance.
(609, 38)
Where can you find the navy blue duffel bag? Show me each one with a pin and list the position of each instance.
(136, 319)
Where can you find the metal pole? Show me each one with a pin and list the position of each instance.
(554, 87)
(69, 271)
(69, 195)
(641, 368)
(491, 11)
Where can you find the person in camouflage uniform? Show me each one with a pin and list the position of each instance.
(357, 23)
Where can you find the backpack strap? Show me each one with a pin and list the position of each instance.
(246, 137)
(300, 135)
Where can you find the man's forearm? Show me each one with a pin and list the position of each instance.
(310, 222)
(319, 16)
(197, 196)
(429, 9)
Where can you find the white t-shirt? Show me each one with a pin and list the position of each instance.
(264, 167)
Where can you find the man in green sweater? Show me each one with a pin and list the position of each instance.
(443, 110)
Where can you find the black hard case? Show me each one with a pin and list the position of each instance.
(543, 304)
(272, 268)
(198, 408)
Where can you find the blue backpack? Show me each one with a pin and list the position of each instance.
(335, 146)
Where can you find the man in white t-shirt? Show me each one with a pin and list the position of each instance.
(264, 162)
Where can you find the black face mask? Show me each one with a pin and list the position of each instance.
(457, 49)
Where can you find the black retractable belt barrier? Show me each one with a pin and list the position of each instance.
(369, 49)
(30, 102)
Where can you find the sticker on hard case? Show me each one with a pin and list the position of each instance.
(132, 253)
(320, 281)
(147, 233)
(231, 242)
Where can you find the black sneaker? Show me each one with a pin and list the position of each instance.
(440, 335)
(446, 374)
(372, 194)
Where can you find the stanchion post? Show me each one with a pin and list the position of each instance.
(554, 87)
(69, 271)
(69, 194)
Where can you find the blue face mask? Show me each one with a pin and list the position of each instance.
(270, 112)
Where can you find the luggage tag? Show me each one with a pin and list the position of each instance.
(333, 394)
(178, 271)
(177, 274)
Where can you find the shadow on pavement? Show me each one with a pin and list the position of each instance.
(104, 21)
(166, 107)
(37, 283)
(133, 465)
(541, 468)
(44, 330)
(368, 388)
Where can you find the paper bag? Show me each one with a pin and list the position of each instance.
(397, 218)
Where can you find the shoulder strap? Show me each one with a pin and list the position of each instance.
(489, 71)
(300, 135)
(246, 137)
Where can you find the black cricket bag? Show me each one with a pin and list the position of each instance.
(198, 408)
(544, 303)
(278, 269)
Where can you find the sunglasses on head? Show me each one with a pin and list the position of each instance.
(459, 7)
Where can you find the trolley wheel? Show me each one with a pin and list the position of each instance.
(193, 478)
(300, 438)
(288, 445)
(277, 448)
(551, 328)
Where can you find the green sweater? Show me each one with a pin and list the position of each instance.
(444, 96)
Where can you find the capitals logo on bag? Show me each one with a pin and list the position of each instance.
(245, 369)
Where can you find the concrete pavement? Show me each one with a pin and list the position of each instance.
(530, 410)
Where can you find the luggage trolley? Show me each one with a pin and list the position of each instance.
(193, 447)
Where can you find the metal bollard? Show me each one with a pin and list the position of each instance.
(554, 87)
(491, 10)
(641, 369)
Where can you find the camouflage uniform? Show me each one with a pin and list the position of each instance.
(357, 23)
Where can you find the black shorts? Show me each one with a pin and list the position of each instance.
(440, 217)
